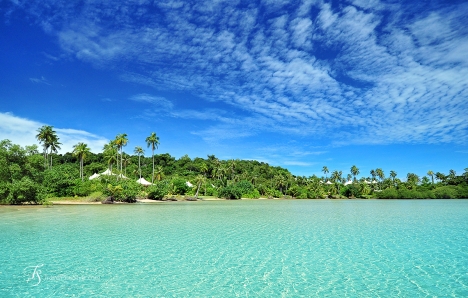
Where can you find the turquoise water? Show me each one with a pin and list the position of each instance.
(258, 248)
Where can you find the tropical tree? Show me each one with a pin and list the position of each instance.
(203, 168)
(81, 150)
(412, 180)
(126, 162)
(373, 174)
(355, 172)
(110, 154)
(139, 151)
(393, 175)
(152, 141)
(49, 139)
(336, 177)
(159, 172)
(431, 174)
(121, 141)
(280, 182)
(452, 174)
(325, 171)
(54, 146)
(199, 180)
(441, 177)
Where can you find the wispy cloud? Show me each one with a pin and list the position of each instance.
(23, 131)
(370, 72)
(157, 101)
(40, 80)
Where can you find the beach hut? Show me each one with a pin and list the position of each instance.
(94, 176)
(108, 173)
(143, 181)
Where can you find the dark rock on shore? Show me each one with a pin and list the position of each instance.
(108, 200)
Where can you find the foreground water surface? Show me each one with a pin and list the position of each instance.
(259, 248)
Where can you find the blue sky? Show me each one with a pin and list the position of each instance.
(297, 84)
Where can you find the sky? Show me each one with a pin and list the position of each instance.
(297, 84)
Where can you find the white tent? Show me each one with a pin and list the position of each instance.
(328, 182)
(373, 181)
(94, 176)
(122, 176)
(107, 172)
(143, 181)
(189, 184)
(348, 182)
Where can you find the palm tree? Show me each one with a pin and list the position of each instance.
(152, 141)
(280, 181)
(121, 141)
(431, 173)
(159, 172)
(380, 173)
(47, 137)
(126, 162)
(110, 153)
(54, 145)
(325, 171)
(139, 151)
(452, 174)
(373, 174)
(199, 180)
(355, 172)
(81, 150)
(393, 174)
(231, 167)
(412, 179)
(203, 168)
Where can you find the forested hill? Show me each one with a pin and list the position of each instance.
(27, 175)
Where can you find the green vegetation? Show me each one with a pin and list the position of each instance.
(28, 177)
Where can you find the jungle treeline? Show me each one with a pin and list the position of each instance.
(28, 175)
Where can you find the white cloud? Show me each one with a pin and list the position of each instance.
(23, 132)
(40, 80)
(351, 74)
(158, 101)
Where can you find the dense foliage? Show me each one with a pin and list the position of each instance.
(28, 176)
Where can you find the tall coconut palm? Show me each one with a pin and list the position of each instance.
(54, 146)
(199, 180)
(393, 174)
(373, 174)
(126, 162)
(47, 136)
(139, 151)
(354, 172)
(380, 173)
(325, 171)
(152, 141)
(110, 153)
(81, 150)
(121, 141)
(431, 173)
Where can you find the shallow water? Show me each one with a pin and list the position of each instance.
(259, 248)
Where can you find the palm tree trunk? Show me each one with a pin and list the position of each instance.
(139, 164)
(152, 176)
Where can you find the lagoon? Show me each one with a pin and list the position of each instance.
(259, 248)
